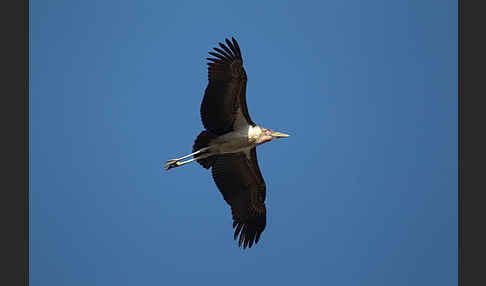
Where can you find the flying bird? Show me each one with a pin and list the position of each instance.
(227, 146)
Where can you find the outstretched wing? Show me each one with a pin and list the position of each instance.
(240, 181)
(223, 107)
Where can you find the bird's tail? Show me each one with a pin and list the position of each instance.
(203, 140)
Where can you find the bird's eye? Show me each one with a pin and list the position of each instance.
(268, 132)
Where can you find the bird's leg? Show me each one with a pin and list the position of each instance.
(171, 165)
(177, 162)
(192, 154)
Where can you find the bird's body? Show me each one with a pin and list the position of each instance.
(240, 140)
(234, 141)
(228, 145)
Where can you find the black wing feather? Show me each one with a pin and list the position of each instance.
(240, 182)
(224, 53)
(226, 90)
(237, 47)
(228, 51)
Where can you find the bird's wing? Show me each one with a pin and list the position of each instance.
(240, 181)
(224, 102)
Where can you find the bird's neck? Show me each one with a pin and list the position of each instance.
(254, 132)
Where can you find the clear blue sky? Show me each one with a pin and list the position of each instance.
(364, 192)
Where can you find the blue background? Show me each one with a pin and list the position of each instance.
(364, 192)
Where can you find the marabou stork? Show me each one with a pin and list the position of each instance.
(228, 143)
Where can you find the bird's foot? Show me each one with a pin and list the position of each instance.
(172, 163)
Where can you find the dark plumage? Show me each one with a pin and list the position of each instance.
(226, 90)
(228, 145)
(243, 188)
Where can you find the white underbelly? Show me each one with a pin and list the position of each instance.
(233, 147)
(235, 141)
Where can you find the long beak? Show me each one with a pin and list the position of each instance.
(279, 134)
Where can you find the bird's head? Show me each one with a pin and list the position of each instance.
(268, 135)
